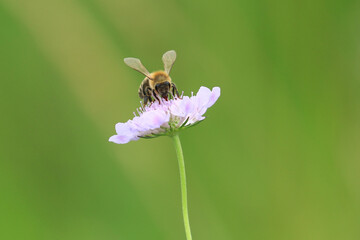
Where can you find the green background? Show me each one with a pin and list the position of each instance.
(277, 158)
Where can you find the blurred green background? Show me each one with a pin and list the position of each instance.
(277, 158)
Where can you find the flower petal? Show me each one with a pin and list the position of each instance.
(154, 119)
(122, 139)
(122, 128)
(215, 94)
(202, 96)
(182, 107)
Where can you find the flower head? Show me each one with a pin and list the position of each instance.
(166, 117)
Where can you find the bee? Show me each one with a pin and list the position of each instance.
(156, 84)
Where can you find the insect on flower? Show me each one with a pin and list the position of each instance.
(157, 84)
(166, 116)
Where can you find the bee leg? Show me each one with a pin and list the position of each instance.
(155, 96)
(147, 96)
(174, 90)
(146, 99)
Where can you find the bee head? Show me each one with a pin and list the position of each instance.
(163, 89)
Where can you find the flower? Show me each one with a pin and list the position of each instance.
(166, 117)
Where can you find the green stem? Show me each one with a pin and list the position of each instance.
(180, 157)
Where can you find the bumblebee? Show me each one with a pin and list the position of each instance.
(157, 84)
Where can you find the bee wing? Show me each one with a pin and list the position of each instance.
(136, 64)
(168, 59)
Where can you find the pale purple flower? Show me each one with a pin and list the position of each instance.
(166, 117)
